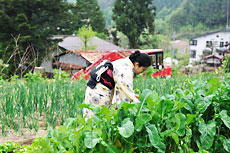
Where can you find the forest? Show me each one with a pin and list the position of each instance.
(178, 15)
(27, 26)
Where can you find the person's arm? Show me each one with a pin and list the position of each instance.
(124, 85)
(128, 91)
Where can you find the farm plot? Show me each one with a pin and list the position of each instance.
(175, 115)
(28, 104)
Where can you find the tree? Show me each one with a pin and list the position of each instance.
(26, 30)
(132, 17)
(86, 34)
(86, 12)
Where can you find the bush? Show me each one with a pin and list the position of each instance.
(226, 64)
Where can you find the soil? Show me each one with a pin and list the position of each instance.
(24, 136)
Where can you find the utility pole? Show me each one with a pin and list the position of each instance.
(227, 26)
(173, 38)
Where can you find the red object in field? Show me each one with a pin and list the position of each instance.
(155, 54)
(109, 56)
(167, 71)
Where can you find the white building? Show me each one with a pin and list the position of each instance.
(212, 41)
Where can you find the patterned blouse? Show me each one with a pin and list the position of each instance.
(123, 91)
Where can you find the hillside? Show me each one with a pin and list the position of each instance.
(183, 16)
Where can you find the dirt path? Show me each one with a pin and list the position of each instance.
(26, 138)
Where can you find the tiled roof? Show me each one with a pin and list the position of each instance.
(214, 55)
(93, 56)
(67, 66)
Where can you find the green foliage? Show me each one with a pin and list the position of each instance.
(196, 12)
(8, 147)
(26, 30)
(3, 68)
(136, 14)
(193, 119)
(102, 36)
(85, 13)
(35, 76)
(86, 35)
(149, 41)
(226, 64)
(22, 102)
(60, 75)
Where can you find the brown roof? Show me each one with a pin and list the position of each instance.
(67, 66)
(214, 56)
(93, 55)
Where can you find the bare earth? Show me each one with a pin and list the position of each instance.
(25, 136)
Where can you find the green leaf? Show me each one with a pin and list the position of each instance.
(180, 124)
(152, 100)
(127, 106)
(145, 96)
(106, 112)
(178, 105)
(176, 138)
(127, 128)
(226, 145)
(202, 103)
(167, 133)
(91, 139)
(161, 148)
(164, 107)
(155, 138)
(190, 118)
(142, 120)
(213, 85)
(208, 132)
(189, 105)
(153, 134)
(112, 149)
(70, 123)
(95, 109)
(225, 118)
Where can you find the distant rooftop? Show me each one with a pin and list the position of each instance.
(71, 42)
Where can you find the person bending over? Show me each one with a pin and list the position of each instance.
(112, 83)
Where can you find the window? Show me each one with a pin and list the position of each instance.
(193, 54)
(153, 59)
(221, 44)
(193, 42)
(208, 43)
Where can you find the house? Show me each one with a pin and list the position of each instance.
(214, 60)
(209, 43)
(64, 58)
(73, 61)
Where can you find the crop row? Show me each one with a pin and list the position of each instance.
(188, 119)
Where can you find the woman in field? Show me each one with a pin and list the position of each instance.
(112, 83)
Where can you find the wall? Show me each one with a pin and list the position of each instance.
(73, 59)
(201, 43)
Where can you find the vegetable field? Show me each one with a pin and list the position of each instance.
(184, 114)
